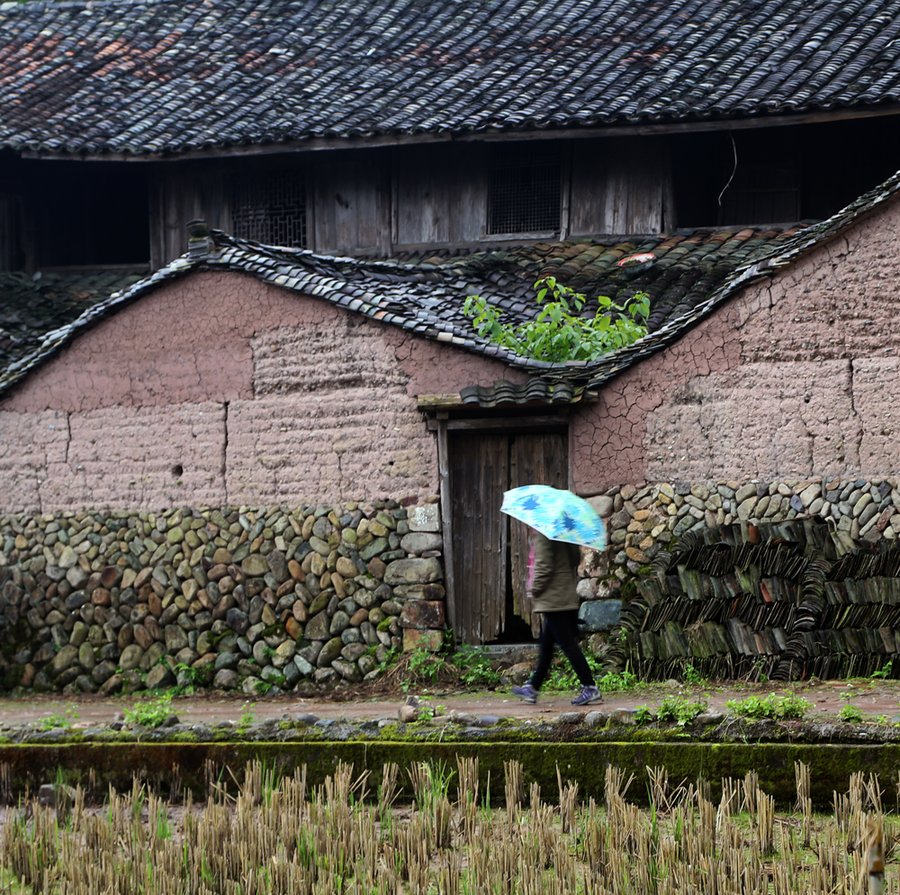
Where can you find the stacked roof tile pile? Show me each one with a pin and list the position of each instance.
(770, 601)
(160, 76)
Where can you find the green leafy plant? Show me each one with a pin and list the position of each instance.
(882, 719)
(149, 712)
(850, 713)
(191, 677)
(559, 332)
(680, 709)
(59, 720)
(475, 669)
(884, 672)
(426, 710)
(692, 676)
(643, 715)
(425, 666)
(245, 722)
(613, 681)
(390, 657)
(775, 707)
(563, 677)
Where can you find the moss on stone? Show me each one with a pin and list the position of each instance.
(114, 763)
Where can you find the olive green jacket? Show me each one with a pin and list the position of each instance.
(555, 564)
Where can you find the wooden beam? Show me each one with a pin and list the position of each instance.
(489, 424)
(517, 423)
(433, 402)
(446, 518)
(319, 144)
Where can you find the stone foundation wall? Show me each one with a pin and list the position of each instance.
(258, 600)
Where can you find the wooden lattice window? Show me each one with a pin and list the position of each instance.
(270, 208)
(524, 191)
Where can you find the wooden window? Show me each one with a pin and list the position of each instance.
(78, 214)
(270, 207)
(524, 193)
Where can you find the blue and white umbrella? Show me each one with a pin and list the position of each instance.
(557, 514)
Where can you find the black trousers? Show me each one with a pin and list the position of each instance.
(560, 628)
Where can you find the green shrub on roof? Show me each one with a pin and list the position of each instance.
(559, 332)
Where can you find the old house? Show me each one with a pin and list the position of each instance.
(280, 455)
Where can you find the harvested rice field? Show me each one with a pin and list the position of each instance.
(459, 834)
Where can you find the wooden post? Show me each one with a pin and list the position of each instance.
(446, 517)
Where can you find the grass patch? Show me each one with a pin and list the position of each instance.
(152, 712)
(775, 707)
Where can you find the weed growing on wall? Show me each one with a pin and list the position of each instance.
(59, 720)
(149, 712)
(774, 706)
(559, 332)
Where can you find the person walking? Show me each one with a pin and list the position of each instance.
(552, 578)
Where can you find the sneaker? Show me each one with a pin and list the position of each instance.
(526, 693)
(587, 695)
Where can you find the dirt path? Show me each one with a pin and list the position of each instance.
(874, 698)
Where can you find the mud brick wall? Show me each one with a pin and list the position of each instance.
(255, 600)
(794, 378)
(219, 390)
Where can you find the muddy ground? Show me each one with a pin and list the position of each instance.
(875, 699)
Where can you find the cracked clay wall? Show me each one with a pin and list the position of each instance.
(220, 390)
(797, 377)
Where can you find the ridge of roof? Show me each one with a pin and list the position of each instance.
(143, 77)
(689, 274)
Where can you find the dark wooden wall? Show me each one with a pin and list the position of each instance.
(389, 200)
(380, 202)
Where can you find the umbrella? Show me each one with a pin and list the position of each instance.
(560, 515)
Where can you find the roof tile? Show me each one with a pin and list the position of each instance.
(160, 76)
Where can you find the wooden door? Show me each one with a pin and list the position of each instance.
(489, 549)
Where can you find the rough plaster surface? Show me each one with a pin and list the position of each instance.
(337, 442)
(796, 377)
(29, 444)
(218, 389)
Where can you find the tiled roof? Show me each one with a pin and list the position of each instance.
(687, 274)
(425, 295)
(30, 306)
(167, 76)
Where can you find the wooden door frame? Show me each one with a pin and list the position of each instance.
(443, 422)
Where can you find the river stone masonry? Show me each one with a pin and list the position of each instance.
(642, 520)
(257, 600)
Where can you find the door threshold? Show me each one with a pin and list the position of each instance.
(501, 649)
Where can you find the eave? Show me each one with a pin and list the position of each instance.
(376, 141)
